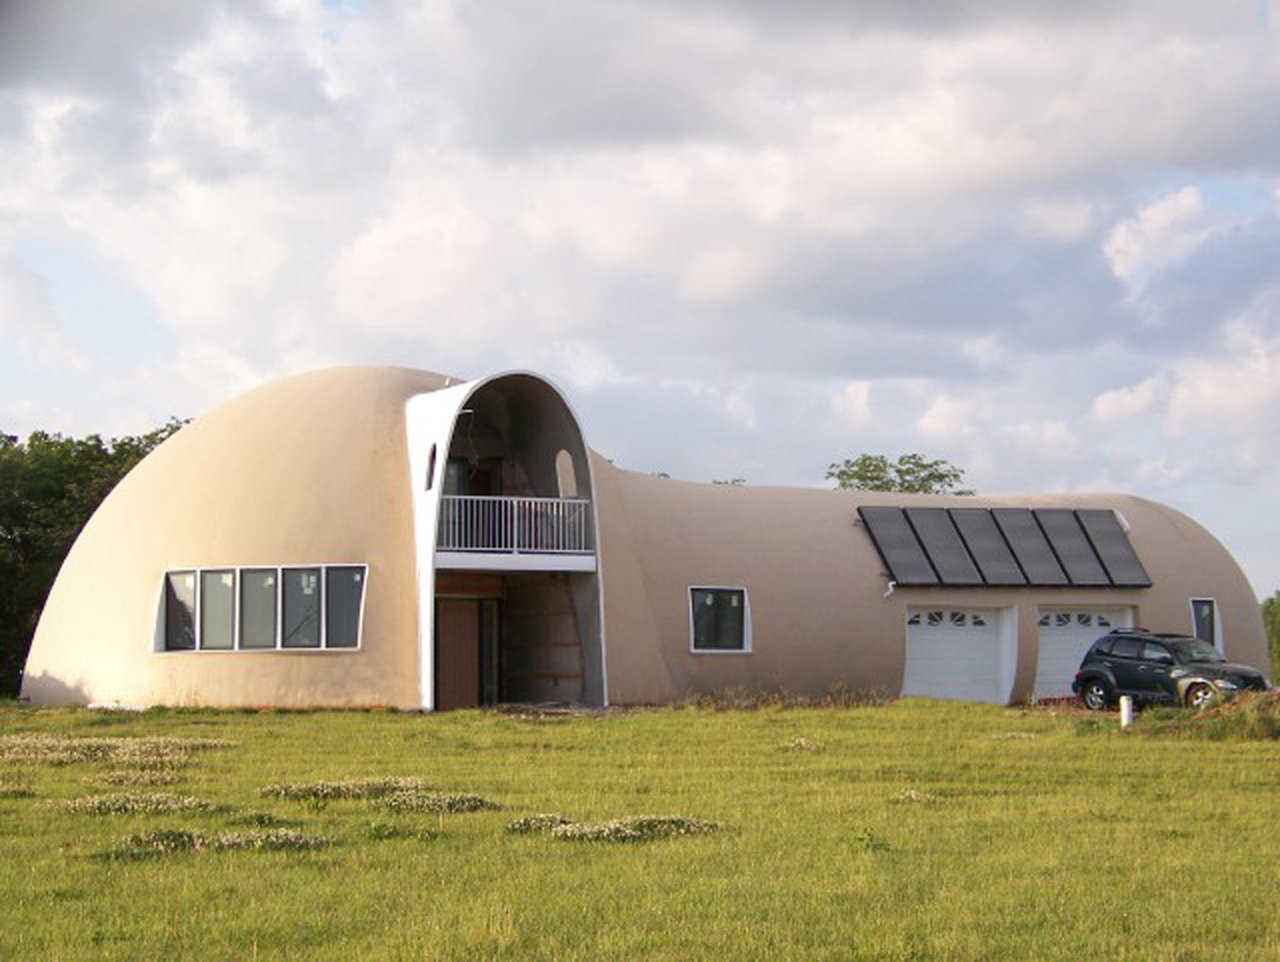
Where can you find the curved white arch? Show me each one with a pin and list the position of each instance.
(430, 420)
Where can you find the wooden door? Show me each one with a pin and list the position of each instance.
(457, 653)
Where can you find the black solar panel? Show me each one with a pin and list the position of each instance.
(942, 544)
(1113, 548)
(898, 546)
(985, 543)
(1029, 546)
(1071, 546)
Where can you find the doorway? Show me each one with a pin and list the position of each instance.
(467, 634)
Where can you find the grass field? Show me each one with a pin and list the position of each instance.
(911, 830)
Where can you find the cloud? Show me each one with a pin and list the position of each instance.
(852, 406)
(1162, 234)
(1127, 402)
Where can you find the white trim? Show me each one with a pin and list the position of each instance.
(430, 419)
(161, 635)
(746, 648)
(492, 561)
(1217, 620)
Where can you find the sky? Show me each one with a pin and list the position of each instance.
(1040, 240)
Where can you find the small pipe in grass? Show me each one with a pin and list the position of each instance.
(1126, 711)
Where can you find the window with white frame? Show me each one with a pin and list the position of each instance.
(719, 620)
(312, 607)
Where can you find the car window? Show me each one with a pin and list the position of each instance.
(1102, 646)
(1126, 647)
(1154, 652)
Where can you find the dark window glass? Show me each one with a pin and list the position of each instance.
(217, 609)
(1103, 647)
(1126, 647)
(343, 589)
(719, 619)
(258, 608)
(301, 623)
(1202, 617)
(1154, 652)
(180, 611)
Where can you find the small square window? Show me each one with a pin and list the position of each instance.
(958, 618)
(977, 621)
(1062, 619)
(718, 619)
(934, 618)
(913, 618)
(1084, 618)
(1044, 621)
(1103, 621)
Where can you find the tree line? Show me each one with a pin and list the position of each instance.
(49, 486)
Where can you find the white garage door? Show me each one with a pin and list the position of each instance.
(1065, 635)
(961, 653)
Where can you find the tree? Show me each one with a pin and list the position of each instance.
(49, 486)
(910, 474)
(1271, 621)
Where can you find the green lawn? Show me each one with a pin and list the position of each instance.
(912, 830)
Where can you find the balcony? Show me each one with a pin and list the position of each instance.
(506, 533)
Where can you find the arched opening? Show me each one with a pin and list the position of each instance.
(517, 594)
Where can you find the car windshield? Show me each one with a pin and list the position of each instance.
(1196, 650)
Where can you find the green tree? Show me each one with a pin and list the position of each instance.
(1271, 621)
(49, 486)
(911, 474)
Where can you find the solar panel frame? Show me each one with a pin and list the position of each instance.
(1072, 546)
(990, 552)
(899, 548)
(1030, 547)
(943, 546)
(1112, 545)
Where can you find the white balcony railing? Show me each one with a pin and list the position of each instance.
(515, 525)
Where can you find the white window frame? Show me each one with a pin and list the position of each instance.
(1217, 619)
(746, 620)
(323, 602)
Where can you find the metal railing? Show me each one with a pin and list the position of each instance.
(515, 525)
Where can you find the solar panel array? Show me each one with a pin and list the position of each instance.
(1039, 547)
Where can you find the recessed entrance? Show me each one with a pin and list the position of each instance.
(509, 638)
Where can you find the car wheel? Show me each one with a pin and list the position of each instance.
(1199, 696)
(1095, 695)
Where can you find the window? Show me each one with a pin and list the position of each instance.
(319, 607)
(719, 620)
(1126, 647)
(258, 607)
(1204, 620)
(180, 610)
(1154, 652)
(300, 623)
(217, 609)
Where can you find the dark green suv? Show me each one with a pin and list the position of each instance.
(1159, 668)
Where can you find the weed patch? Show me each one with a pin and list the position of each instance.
(543, 822)
(913, 797)
(181, 841)
(752, 699)
(435, 802)
(360, 788)
(636, 828)
(130, 803)
(141, 752)
(801, 744)
(16, 785)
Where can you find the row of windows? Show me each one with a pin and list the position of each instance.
(259, 609)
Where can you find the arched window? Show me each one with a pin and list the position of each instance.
(566, 476)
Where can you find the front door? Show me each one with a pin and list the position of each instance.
(457, 653)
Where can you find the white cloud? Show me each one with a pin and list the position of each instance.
(1235, 395)
(1162, 233)
(1126, 402)
(852, 406)
(948, 418)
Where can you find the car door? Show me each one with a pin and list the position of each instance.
(1154, 672)
(1125, 662)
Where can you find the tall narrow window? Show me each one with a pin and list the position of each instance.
(180, 611)
(566, 476)
(217, 609)
(1204, 620)
(258, 608)
(300, 626)
(343, 591)
(718, 619)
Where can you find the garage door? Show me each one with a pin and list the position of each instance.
(1065, 635)
(961, 653)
